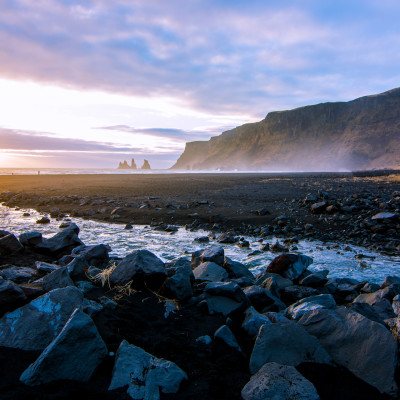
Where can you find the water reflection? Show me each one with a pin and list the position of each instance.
(340, 260)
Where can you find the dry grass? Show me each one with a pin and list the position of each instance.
(104, 276)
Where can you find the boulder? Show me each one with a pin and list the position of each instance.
(262, 299)
(35, 325)
(279, 382)
(30, 238)
(61, 242)
(227, 237)
(390, 280)
(209, 271)
(57, 279)
(178, 286)
(225, 297)
(287, 344)
(145, 374)
(10, 245)
(380, 301)
(318, 208)
(237, 270)
(181, 264)
(78, 266)
(290, 266)
(292, 294)
(315, 279)
(225, 334)
(17, 274)
(253, 322)
(45, 267)
(214, 254)
(142, 268)
(10, 292)
(364, 347)
(297, 310)
(96, 255)
(73, 355)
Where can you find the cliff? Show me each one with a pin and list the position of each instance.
(359, 134)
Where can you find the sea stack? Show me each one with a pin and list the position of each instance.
(125, 165)
(146, 165)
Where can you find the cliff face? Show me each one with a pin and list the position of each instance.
(360, 134)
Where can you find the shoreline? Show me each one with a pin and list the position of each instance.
(318, 206)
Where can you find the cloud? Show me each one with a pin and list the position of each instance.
(168, 133)
(237, 57)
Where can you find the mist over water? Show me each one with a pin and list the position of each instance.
(339, 259)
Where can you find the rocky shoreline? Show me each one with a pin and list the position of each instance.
(360, 209)
(76, 323)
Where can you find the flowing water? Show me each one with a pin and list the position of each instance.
(339, 259)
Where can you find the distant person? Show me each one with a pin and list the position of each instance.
(38, 172)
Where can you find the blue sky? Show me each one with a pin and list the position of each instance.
(89, 83)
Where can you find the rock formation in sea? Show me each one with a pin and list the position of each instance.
(359, 134)
(146, 165)
(125, 165)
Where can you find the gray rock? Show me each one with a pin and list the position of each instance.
(204, 340)
(253, 321)
(91, 308)
(290, 266)
(10, 245)
(396, 305)
(287, 344)
(65, 240)
(291, 294)
(320, 207)
(262, 299)
(85, 286)
(384, 216)
(227, 237)
(178, 286)
(211, 272)
(379, 301)
(74, 354)
(279, 382)
(17, 274)
(96, 255)
(45, 267)
(225, 297)
(237, 270)
(366, 310)
(30, 238)
(145, 374)
(35, 325)
(77, 266)
(297, 310)
(225, 334)
(142, 267)
(364, 347)
(214, 254)
(181, 264)
(10, 292)
(315, 279)
(57, 279)
(390, 280)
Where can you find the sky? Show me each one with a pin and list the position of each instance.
(86, 84)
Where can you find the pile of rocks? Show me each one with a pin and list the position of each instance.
(276, 322)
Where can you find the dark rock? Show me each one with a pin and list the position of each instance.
(366, 310)
(276, 381)
(382, 216)
(142, 267)
(346, 335)
(178, 286)
(290, 266)
(10, 292)
(227, 237)
(77, 267)
(253, 321)
(288, 344)
(17, 274)
(209, 271)
(297, 310)
(225, 297)
(225, 335)
(96, 255)
(57, 279)
(236, 269)
(45, 267)
(214, 254)
(292, 294)
(390, 280)
(262, 299)
(35, 325)
(65, 240)
(380, 301)
(30, 238)
(145, 374)
(9, 245)
(43, 220)
(318, 208)
(315, 279)
(73, 355)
